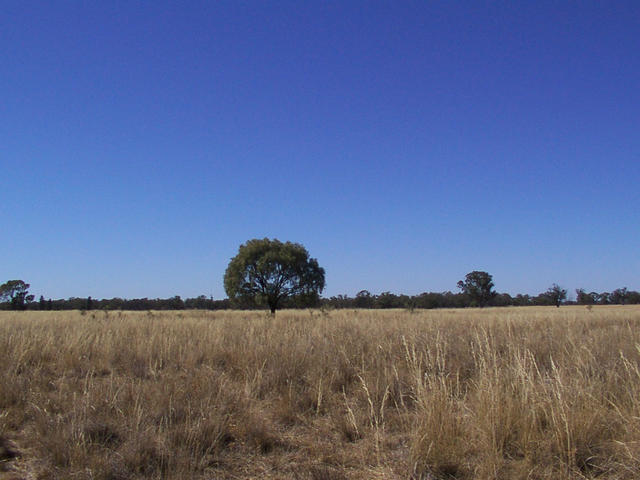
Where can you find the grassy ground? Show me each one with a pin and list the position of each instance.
(510, 393)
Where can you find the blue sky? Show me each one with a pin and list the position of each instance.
(403, 143)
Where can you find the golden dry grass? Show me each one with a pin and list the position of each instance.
(510, 393)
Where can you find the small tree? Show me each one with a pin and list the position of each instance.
(584, 298)
(16, 292)
(556, 294)
(479, 287)
(268, 271)
(364, 299)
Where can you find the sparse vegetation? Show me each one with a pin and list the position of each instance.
(509, 393)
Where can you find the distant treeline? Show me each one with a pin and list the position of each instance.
(172, 303)
(363, 299)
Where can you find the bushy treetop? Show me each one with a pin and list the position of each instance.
(269, 270)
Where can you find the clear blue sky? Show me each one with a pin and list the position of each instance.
(403, 143)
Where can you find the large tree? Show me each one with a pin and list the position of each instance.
(16, 292)
(268, 271)
(556, 294)
(479, 287)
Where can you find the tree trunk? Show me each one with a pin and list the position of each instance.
(273, 304)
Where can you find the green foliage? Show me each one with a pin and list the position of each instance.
(269, 271)
(556, 294)
(584, 298)
(619, 296)
(16, 292)
(364, 299)
(479, 287)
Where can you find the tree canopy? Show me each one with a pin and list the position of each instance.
(268, 271)
(556, 294)
(479, 287)
(16, 292)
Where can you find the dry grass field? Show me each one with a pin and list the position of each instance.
(509, 393)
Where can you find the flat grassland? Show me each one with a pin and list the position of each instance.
(508, 393)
